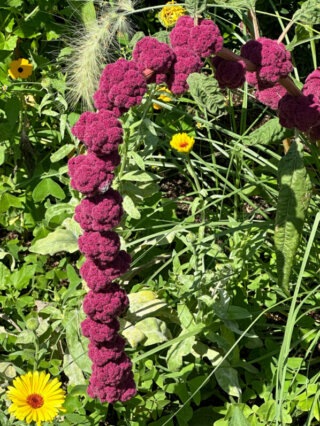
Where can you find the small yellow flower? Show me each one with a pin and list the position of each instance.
(35, 398)
(169, 15)
(182, 142)
(20, 68)
(163, 97)
(199, 125)
(4, 87)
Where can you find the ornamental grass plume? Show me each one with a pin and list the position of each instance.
(169, 15)
(92, 46)
(182, 142)
(36, 398)
(21, 68)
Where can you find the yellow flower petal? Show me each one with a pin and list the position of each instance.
(20, 68)
(182, 142)
(35, 398)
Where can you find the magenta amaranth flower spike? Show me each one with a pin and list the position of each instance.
(186, 63)
(101, 212)
(90, 173)
(271, 96)
(312, 85)
(149, 53)
(272, 59)
(203, 39)
(101, 247)
(101, 132)
(122, 85)
(229, 74)
(301, 112)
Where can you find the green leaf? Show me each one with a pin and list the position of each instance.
(72, 371)
(61, 153)
(270, 132)
(309, 13)
(178, 351)
(130, 208)
(59, 240)
(155, 331)
(143, 303)
(139, 176)
(294, 197)
(88, 12)
(206, 92)
(7, 200)
(136, 37)
(77, 343)
(238, 418)
(248, 4)
(162, 36)
(195, 7)
(227, 378)
(45, 188)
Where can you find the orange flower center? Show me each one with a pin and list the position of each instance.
(35, 400)
(183, 144)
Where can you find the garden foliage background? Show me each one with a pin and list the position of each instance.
(213, 338)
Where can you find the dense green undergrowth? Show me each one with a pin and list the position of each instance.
(213, 337)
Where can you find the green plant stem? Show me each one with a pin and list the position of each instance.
(313, 49)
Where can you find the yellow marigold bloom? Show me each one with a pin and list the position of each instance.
(20, 68)
(35, 398)
(182, 142)
(169, 15)
(163, 97)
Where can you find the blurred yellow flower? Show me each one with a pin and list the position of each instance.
(182, 142)
(169, 15)
(199, 125)
(163, 97)
(20, 68)
(35, 398)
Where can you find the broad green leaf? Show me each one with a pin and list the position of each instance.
(25, 337)
(238, 418)
(309, 12)
(77, 343)
(61, 153)
(133, 335)
(88, 12)
(139, 176)
(130, 208)
(72, 371)
(206, 92)
(155, 331)
(143, 303)
(21, 278)
(268, 133)
(59, 240)
(227, 378)
(57, 213)
(162, 36)
(7, 200)
(45, 188)
(248, 4)
(294, 197)
(195, 7)
(178, 351)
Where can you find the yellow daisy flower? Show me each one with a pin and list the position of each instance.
(35, 398)
(182, 142)
(20, 68)
(163, 97)
(169, 15)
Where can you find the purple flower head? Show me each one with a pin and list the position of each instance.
(272, 59)
(102, 306)
(101, 132)
(301, 112)
(112, 373)
(122, 85)
(312, 85)
(122, 392)
(90, 173)
(205, 39)
(271, 96)
(102, 353)
(187, 62)
(100, 247)
(99, 278)
(101, 212)
(100, 333)
(228, 73)
(179, 35)
(152, 54)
